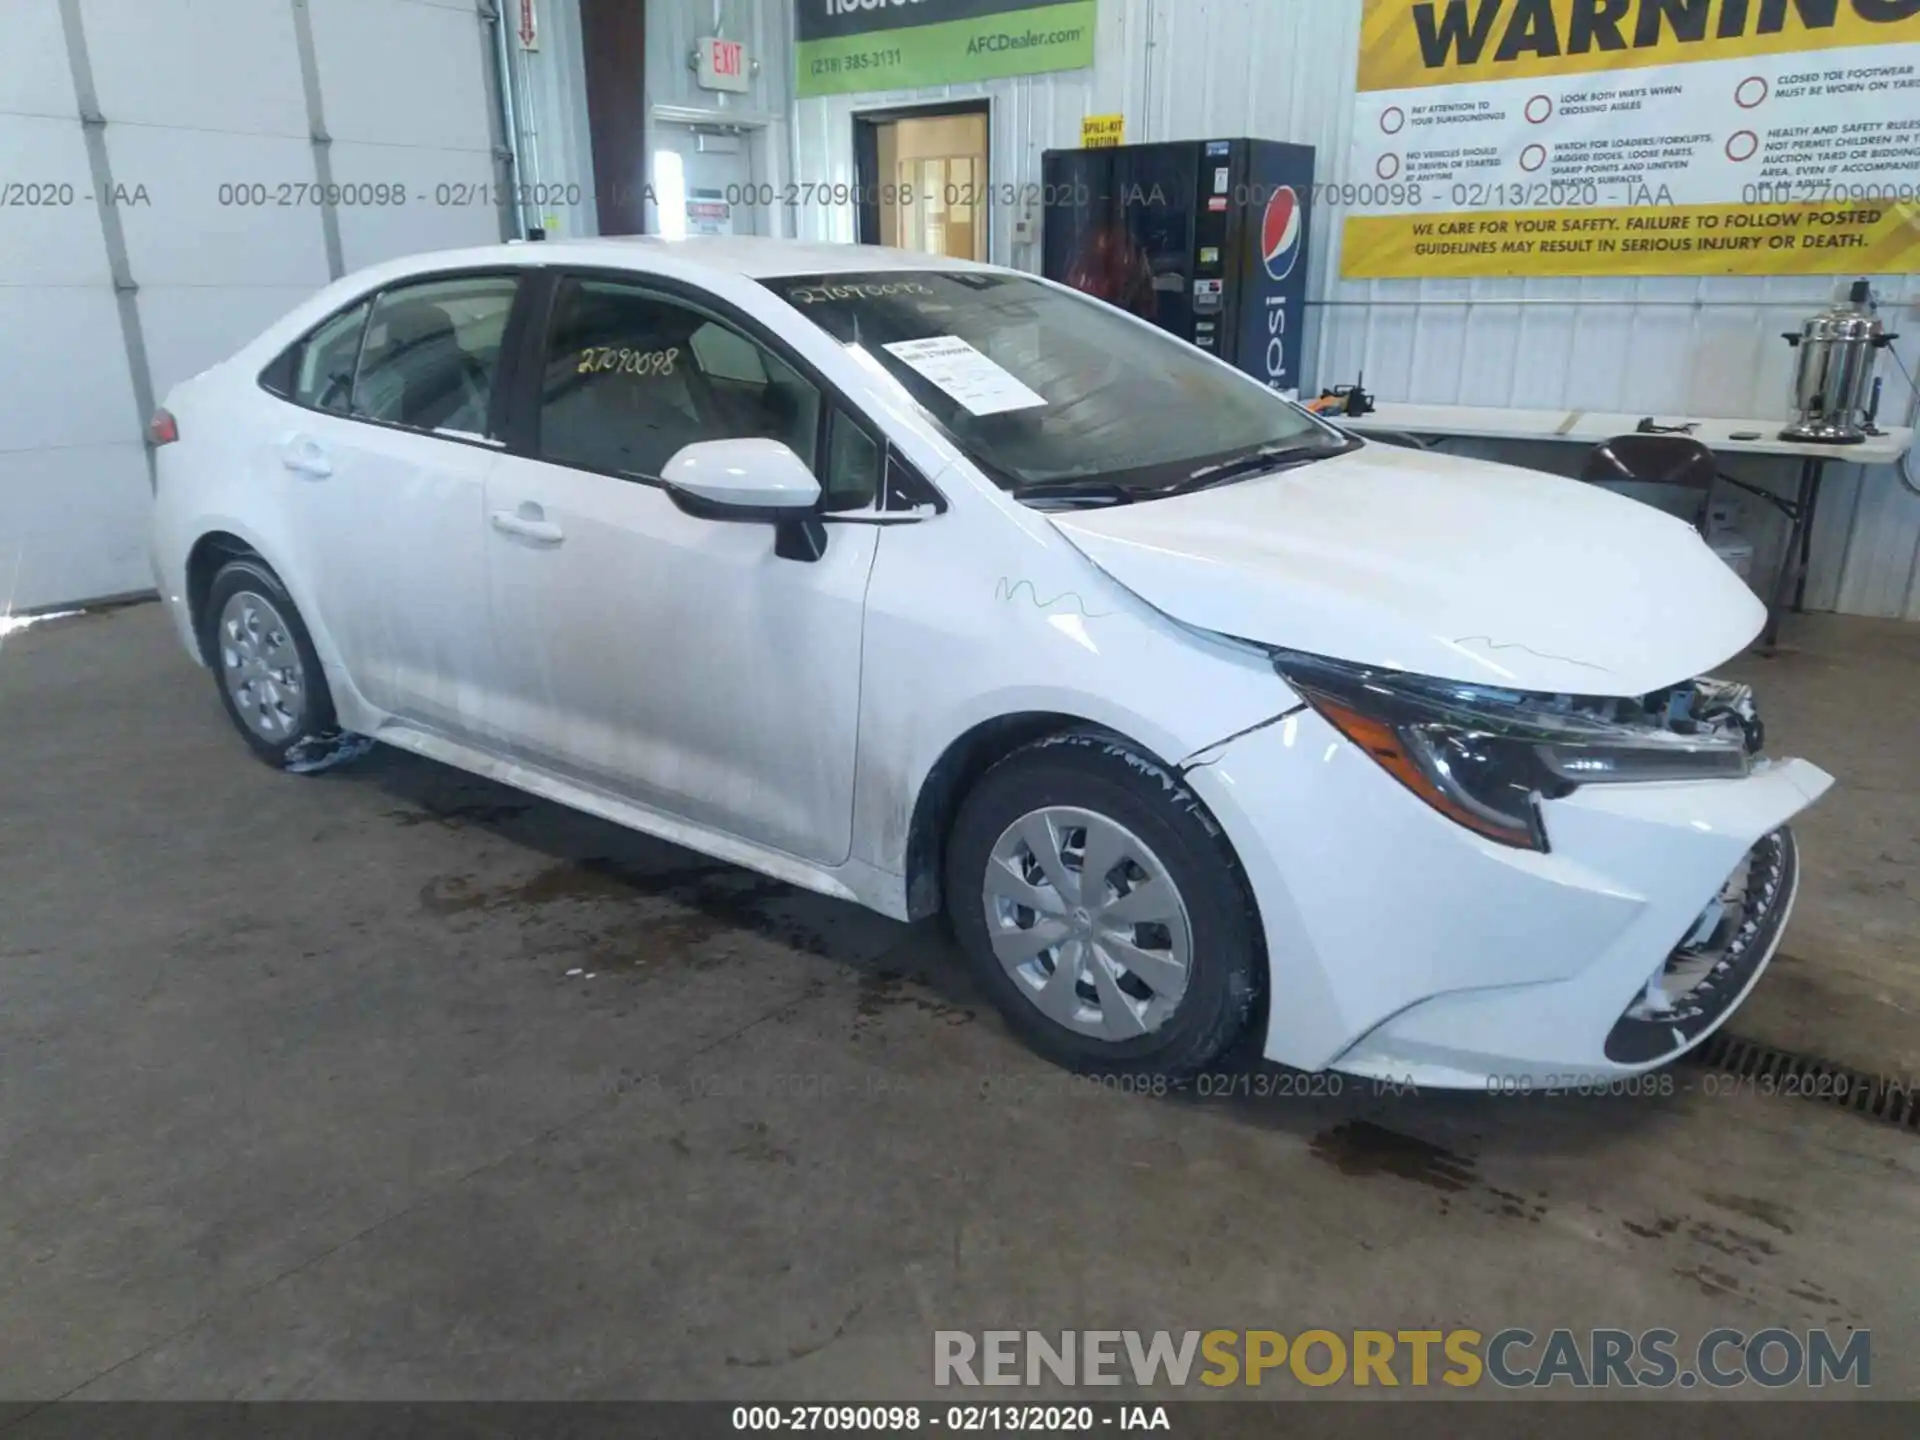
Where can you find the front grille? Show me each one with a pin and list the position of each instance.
(1714, 962)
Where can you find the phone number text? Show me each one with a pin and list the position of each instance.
(857, 63)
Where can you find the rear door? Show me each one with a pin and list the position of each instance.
(385, 466)
(675, 660)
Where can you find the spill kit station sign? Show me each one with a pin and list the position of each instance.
(1636, 137)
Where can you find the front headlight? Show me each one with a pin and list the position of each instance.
(1486, 758)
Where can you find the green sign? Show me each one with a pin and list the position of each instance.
(851, 45)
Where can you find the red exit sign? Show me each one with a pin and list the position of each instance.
(723, 65)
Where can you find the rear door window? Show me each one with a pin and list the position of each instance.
(432, 353)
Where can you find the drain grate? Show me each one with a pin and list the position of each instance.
(1781, 1072)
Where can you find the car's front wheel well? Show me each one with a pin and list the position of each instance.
(947, 783)
(210, 552)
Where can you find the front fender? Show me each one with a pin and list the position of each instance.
(970, 621)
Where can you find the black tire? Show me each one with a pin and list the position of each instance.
(1105, 775)
(315, 741)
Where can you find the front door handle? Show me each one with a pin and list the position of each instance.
(529, 524)
(304, 455)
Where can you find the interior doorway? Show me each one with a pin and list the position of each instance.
(924, 180)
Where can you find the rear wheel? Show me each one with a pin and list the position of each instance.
(1103, 909)
(270, 678)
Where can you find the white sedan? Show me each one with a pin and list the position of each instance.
(932, 585)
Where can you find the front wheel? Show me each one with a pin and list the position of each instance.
(1103, 910)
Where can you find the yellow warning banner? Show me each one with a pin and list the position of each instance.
(1714, 137)
(1639, 240)
(1405, 44)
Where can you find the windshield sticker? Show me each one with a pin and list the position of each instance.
(983, 387)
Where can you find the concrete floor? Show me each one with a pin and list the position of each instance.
(1845, 693)
(300, 1097)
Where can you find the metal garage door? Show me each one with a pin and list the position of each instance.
(173, 175)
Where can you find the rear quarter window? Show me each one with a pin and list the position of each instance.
(317, 369)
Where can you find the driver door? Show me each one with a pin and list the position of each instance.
(673, 660)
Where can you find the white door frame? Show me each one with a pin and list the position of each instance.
(764, 162)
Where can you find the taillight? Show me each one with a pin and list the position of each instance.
(163, 429)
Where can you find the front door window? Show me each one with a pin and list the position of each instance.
(633, 376)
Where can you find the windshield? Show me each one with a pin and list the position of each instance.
(1045, 388)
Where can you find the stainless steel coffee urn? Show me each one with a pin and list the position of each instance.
(1838, 351)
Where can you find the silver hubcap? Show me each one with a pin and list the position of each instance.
(260, 666)
(1088, 923)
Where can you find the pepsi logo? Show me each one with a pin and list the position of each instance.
(1282, 232)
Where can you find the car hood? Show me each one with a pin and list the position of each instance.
(1437, 565)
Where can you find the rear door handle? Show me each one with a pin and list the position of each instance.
(304, 455)
(528, 526)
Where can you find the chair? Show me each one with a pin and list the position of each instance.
(1674, 473)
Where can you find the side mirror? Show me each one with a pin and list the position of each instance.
(751, 480)
(741, 480)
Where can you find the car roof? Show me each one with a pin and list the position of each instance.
(755, 257)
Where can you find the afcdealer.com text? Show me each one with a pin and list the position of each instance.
(1513, 1359)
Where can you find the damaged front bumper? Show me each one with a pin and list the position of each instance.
(1710, 971)
(1401, 945)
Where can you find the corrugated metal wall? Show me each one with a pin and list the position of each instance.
(555, 186)
(674, 28)
(550, 88)
(1284, 70)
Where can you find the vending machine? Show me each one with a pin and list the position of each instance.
(1205, 238)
